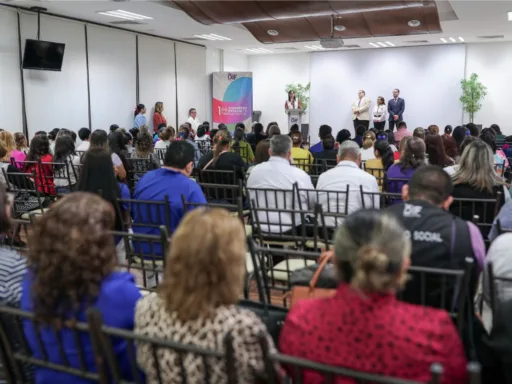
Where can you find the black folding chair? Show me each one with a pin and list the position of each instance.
(19, 361)
(379, 174)
(394, 184)
(304, 164)
(144, 256)
(228, 194)
(376, 200)
(147, 214)
(138, 167)
(26, 193)
(190, 357)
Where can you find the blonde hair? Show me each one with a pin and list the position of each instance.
(370, 250)
(368, 139)
(433, 129)
(201, 276)
(159, 106)
(7, 141)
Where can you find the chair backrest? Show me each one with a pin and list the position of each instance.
(138, 167)
(500, 288)
(222, 193)
(214, 176)
(304, 164)
(44, 174)
(374, 200)
(62, 174)
(378, 173)
(144, 256)
(236, 208)
(394, 184)
(18, 358)
(146, 213)
(189, 358)
(26, 190)
(447, 289)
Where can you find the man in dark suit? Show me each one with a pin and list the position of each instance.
(396, 108)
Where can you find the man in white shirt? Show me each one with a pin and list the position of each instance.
(193, 120)
(361, 111)
(84, 134)
(347, 172)
(277, 173)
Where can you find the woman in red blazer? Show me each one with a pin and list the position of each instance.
(363, 327)
(158, 118)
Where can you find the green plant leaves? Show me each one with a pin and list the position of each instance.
(473, 91)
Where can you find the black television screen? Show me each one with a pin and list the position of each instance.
(43, 55)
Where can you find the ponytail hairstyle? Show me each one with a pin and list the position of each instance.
(368, 139)
(370, 251)
(296, 137)
(385, 153)
(138, 109)
(220, 141)
(238, 136)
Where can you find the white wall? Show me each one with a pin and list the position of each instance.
(191, 64)
(213, 64)
(157, 78)
(10, 82)
(235, 62)
(428, 79)
(271, 74)
(57, 99)
(493, 62)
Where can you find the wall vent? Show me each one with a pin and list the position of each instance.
(127, 22)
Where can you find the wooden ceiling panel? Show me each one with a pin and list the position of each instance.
(311, 20)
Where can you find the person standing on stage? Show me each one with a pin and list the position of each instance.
(396, 108)
(193, 120)
(361, 111)
(293, 102)
(379, 114)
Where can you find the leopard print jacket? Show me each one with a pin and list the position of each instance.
(153, 320)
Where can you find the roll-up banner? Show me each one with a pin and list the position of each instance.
(232, 99)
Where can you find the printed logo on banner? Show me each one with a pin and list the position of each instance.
(232, 101)
(232, 76)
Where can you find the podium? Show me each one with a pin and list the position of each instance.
(294, 117)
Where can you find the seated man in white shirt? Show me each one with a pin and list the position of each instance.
(277, 173)
(347, 172)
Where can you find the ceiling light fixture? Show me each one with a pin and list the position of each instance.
(381, 44)
(443, 40)
(258, 50)
(339, 28)
(414, 23)
(272, 32)
(390, 44)
(212, 36)
(374, 45)
(509, 16)
(452, 39)
(119, 13)
(314, 47)
(461, 39)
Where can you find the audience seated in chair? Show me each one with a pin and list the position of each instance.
(436, 153)
(505, 219)
(144, 150)
(413, 157)
(363, 326)
(221, 158)
(323, 132)
(98, 177)
(185, 133)
(277, 173)
(347, 172)
(196, 303)
(40, 151)
(72, 262)
(378, 166)
(256, 135)
(302, 157)
(242, 147)
(260, 156)
(99, 139)
(172, 180)
(65, 153)
(84, 135)
(476, 178)
(368, 141)
(328, 152)
(13, 146)
(453, 168)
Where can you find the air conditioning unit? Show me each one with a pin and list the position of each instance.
(332, 43)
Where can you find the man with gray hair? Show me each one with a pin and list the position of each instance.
(347, 172)
(278, 173)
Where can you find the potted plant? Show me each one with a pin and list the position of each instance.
(301, 92)
(473, 91)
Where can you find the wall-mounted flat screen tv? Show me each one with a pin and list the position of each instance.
(43, 55)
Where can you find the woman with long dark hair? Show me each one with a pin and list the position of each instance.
(293, 102)
(140, 119)
(40, 150)
(413, 157)
(67, 162)
(99, 139)
(459, 134)
(72, 267)
(436, 153)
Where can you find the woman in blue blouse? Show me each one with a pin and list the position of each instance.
(140, 119)
(72, 262)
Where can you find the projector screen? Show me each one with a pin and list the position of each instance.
(428, 79)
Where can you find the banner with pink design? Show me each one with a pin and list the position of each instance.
(232, 99)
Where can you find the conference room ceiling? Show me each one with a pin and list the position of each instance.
(471, 20)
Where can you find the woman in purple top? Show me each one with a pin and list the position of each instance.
(412, 158)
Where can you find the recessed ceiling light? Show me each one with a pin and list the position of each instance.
(452, 39)
(461, 39)
(119, 13)
(314, 47)
(509, 16)
(374, 45)
(414, 23)
(443, 40)
(212, 36)
(339, 28)
(272, 32)
(381, 44)
(390, 44)
(258, 50)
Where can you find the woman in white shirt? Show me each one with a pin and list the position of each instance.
(293, 102)
(166, 135)
(379, 114)
(368, 153)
